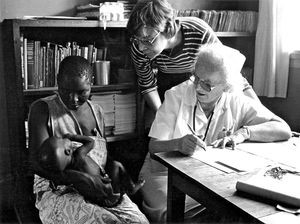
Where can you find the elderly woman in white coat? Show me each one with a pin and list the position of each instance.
(208, 109)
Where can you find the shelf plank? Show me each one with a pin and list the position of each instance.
(115, 138)
(68, 23)
(103, 88)
(235, 34)
(114, 87)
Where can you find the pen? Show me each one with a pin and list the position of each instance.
(194, 133)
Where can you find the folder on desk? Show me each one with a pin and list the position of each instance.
(274, 182)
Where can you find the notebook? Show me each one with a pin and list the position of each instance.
(274, 182)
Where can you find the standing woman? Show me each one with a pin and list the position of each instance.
(164, 48)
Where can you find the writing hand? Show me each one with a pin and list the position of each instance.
(202, 144)
(189, 143)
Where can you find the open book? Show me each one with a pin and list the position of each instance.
(274, 182)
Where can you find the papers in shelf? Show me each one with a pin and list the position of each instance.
(107, 103)
(119, 112)
(125, 113)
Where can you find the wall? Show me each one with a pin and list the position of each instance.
(289, 108)
(19, 8)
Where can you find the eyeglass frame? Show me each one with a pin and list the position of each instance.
(197, 81)
(144, 41)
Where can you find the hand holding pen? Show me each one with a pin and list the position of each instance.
(199, 138)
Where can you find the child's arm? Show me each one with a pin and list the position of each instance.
(87, 143)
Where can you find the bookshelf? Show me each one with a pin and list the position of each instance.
(58, 31)
(233, 13)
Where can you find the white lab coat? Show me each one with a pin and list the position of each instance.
(232, 111)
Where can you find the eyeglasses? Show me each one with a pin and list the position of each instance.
(204, 85)
(145, 41)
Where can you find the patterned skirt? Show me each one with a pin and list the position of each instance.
(72, 208)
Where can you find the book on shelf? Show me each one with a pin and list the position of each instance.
(40, 60)
(31, 84)
(24, 61)
(225, 20)
(274, 182)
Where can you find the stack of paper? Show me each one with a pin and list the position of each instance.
(125, 113)
(107, 103)
(284, 152)
(229, 161)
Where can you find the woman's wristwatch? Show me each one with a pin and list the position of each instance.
(245, 132)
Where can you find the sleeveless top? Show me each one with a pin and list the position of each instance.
(60, 122)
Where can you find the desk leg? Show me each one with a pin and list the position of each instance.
(176, 202)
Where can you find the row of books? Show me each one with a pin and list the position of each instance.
(119, 112)
(40, 60)
(225, 20)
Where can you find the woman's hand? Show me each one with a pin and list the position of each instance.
(232, 140)
(189, 143)
(95, 188)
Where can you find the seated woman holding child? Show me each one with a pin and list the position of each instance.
(73, 196)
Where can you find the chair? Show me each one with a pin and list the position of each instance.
(24, 199)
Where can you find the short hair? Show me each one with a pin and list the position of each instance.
(155, 14)
(220, 58)
(74, 66)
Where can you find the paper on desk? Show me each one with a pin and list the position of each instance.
(285, 152)
(229, 161)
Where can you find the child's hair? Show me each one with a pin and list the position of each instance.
(73, 66)
(220, 58)
(157, 14)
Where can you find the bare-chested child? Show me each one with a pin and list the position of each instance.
(71, 152)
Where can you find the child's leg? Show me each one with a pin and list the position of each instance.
(121, 180)
(112, 168)
(127, 183)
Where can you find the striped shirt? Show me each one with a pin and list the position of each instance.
(195, 33)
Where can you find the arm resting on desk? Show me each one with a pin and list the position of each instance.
(270, 131)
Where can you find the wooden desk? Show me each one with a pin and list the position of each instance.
(216, 190)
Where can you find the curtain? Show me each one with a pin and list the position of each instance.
(276, 37)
